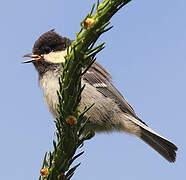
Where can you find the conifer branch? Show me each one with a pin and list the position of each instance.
(70, 123)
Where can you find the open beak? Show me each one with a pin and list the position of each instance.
(33, 57)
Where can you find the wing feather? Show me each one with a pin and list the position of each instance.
(98, 77)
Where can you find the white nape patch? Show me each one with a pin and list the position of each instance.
(56, 57)
(99, 85)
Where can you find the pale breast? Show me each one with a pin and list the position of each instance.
(50, 86)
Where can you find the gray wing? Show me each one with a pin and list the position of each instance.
(98, 77)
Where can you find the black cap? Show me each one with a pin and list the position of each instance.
(49, 41)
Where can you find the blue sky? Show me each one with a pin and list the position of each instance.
(145, 53)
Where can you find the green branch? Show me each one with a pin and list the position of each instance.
(71, 122)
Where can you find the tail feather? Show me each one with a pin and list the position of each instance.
(160, 144)
(164, 147)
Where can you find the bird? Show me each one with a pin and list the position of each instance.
(111, 112)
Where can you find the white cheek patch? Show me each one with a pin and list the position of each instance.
(56, 57)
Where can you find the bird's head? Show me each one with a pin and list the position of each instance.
(49, 47)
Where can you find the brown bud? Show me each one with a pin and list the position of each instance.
(44, 172)
(88, 23)
(71, 120)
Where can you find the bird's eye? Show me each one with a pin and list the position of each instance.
(47, 50)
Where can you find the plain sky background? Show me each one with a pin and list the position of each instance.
(146, 54)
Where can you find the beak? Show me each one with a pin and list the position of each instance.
(33, 57)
